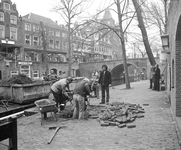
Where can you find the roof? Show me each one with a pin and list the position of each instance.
(107, 15)
(31, 17)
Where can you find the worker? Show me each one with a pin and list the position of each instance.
(95, 88)
(59, 91)
(52, 75)
(95, 75)
(80, 102)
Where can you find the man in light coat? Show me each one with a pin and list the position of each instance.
(80, 102)
(59, 90)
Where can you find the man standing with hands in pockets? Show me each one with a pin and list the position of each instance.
(105, 82)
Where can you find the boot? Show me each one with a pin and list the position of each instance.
(107, 100)
(102, 101)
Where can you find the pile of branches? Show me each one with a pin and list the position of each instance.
(118, 114)
(19, 79)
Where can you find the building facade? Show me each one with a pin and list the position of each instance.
(32, 43)
(173, 56)
(34, 27)
(95, 42)
(10, 39)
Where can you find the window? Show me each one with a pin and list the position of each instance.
(13, 19)
(27, 39)
(6, 6)
(13, 33)
(36, 57)
(25, 69)
(51, 43)
(64, 35)
(36, 28)
(27, 27)
(14, 73)
(51, 32)
(27, 56)
(35, 41)
(2, 31)
(35, 74)
(40, 41)
(64, 46)
(57, 44)
(57, 33)
(45, 30)
(1, 16)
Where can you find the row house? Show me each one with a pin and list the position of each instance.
(91, 43)
(21, 48)
(32, 27)
(82, 46)
(10, 39)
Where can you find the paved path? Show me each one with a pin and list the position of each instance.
(155, 131)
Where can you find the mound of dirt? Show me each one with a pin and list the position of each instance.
(19, 79)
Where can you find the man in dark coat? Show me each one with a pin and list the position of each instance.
(105, 82)
(157, 78)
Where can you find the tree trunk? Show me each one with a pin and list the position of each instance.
(44, 44)
(123, 46)
(143, 32)
(69, 50)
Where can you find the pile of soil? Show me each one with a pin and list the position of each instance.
(19, 79)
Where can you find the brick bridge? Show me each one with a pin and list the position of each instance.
(135, 67)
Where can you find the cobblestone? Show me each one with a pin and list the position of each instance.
(156, 131)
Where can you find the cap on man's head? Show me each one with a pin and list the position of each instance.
(86, 79)
(70, 79)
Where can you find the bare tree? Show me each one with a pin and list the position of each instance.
(122, 39)
(141, 25)
(141, 51)
(156, 14)
(69, 10)
(44, 44)
(124, 14)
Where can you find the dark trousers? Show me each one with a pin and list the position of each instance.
(151, 83)
(157, 84)
(59, 98)
(105, 89)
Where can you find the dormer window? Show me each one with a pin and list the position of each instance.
(6, 6)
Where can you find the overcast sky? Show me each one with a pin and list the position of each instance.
(43, 8)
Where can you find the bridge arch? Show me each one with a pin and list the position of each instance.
(118, 75)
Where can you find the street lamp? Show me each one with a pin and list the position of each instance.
(6, 47)
(114, 55)
(165, 42)
(134, 49)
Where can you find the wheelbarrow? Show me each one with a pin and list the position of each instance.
(45, 106)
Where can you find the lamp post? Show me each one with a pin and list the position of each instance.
(114, 56)
(165, 45)
(134, 49)
(6, 47)
(165, 42)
